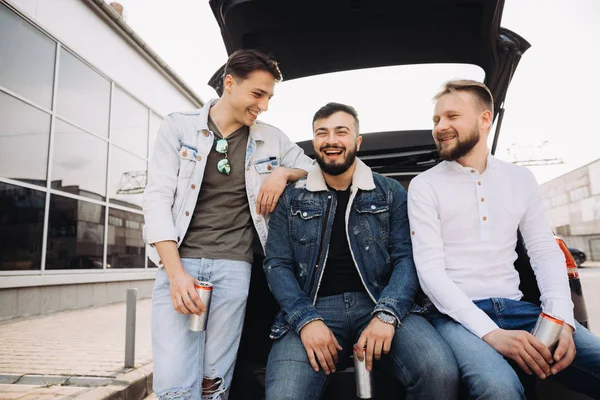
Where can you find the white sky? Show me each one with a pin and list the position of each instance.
(553, 96)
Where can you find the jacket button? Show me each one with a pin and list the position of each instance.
(184, 153)
(199, 157)
(187, 213)
(193, 186)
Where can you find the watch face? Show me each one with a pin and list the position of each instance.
(388, 319)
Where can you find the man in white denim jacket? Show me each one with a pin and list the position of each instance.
(214, 176)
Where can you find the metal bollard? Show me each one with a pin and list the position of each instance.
(130, 328)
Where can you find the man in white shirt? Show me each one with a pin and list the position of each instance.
(464, 216)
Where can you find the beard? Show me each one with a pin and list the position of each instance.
(462, 147)
(334, 168)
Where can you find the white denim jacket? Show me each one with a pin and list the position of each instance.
(177, 165)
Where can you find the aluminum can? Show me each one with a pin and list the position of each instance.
(363, 377)
(204, 290)
(547, 329)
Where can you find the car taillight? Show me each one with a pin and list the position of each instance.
(571, 265)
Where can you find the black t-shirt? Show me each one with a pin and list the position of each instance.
(340, 275)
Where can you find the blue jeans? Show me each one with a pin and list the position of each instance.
(418, 358)
(182, 358)
(489, 376)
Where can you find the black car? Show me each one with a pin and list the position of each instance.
(578, 256)
(313, 37)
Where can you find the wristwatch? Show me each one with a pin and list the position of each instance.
(386, 318)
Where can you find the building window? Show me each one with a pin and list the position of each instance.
(75, 234)
(97, 167)
(21, 227)
(129, 124)
(79, 162)
(125, 245)
(579, 193)
(83, 94)
(127, 178)
(24, 134)
(27, 59)
(559, 200)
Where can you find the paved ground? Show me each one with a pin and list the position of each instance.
(73, 354)
(68, 353)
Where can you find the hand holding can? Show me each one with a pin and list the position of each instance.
(204, 290)
(547, 329)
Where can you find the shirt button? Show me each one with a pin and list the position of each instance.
(479, 183)
(485, 218)
(184, 153)
(269, 167)
(373, 207)
(304, 214)
(199, 157)
(413, 232)
(472, 171)
(187, 213)
(482, 199)
(205, 133)
(193, 186)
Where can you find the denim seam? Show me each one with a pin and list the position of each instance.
(497, 311)
(595, 375)
(409, 383)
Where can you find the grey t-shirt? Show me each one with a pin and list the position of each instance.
(221, 226)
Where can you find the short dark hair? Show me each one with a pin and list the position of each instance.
(479, 90)
(243, 62)
(331, 108)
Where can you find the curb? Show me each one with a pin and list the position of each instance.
(132, 385)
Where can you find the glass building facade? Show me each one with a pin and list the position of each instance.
(74, 149)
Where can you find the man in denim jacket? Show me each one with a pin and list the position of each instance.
(214, 174)
(339, 263)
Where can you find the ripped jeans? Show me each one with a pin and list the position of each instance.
(182, 358)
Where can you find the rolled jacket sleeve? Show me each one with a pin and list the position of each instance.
(159, 193)
(280, 271)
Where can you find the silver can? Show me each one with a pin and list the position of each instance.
(547, 329)
(204, 290)
(363, 377)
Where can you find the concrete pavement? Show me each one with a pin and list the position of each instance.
(79, 354)
(76, 355)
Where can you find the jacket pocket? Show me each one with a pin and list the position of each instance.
(374, 217)
(266, 166)
(306, 221)
(187, 162)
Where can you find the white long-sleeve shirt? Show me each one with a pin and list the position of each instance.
(464, 232)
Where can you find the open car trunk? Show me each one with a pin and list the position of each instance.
(313, 37)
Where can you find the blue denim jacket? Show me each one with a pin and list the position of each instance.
(378, 235)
